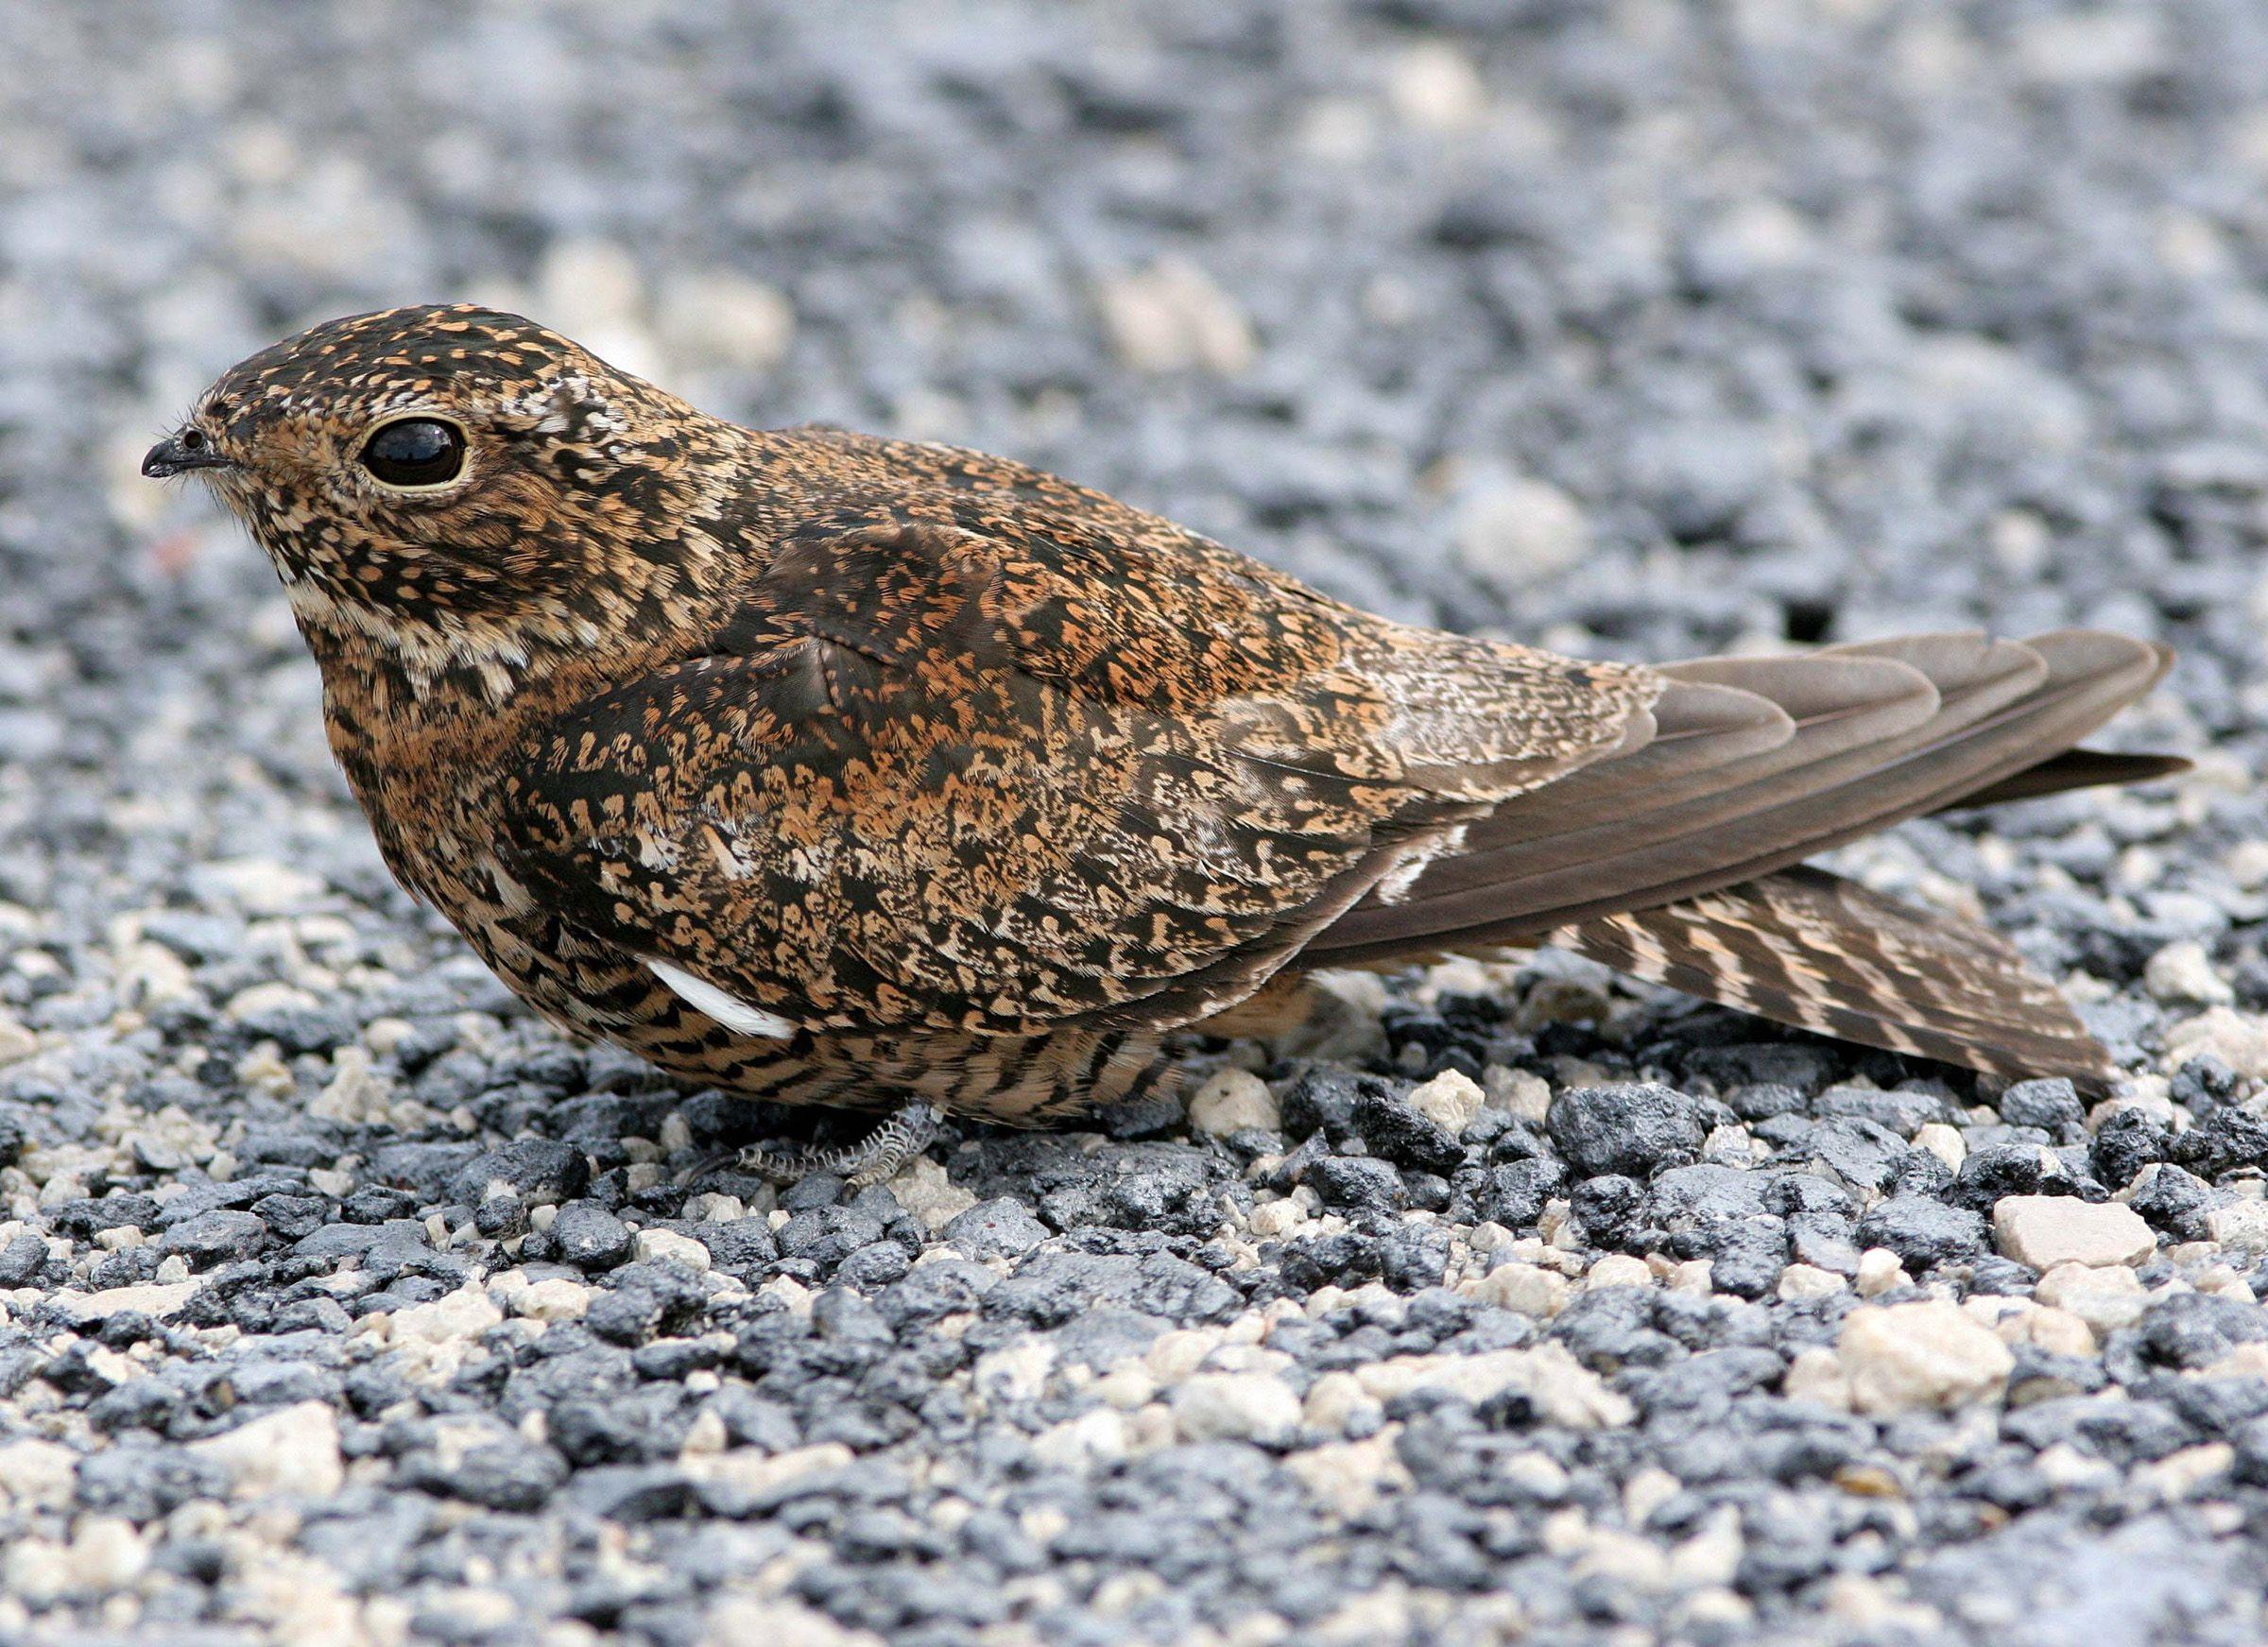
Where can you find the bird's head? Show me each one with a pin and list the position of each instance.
(455, 484)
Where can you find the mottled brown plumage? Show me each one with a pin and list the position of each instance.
(849, 771)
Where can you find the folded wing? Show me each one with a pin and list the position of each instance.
(1673, 860)
(1012, 776)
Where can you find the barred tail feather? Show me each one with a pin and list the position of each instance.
(1806, 948)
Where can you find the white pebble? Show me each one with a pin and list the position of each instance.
(1564, 1391)
(1349, 1475)
(2105, 1298)
(1929, 1355)
(1880, 1272)
(1450, 1099)
(1619, 1270)
(1511, 531)
(1523, 1288)
(1337, 1398)
(553, 1299)
(2179, 1475)
(2047, 1231)
(1172, 317)
(1234, 1101)
(1100, 1436)
(1245, 1406)
(2241, 1226)
(465, 1313)
(1274, 1217)
(783, 1621)
(924, 1191)
(1943, 1141)
(1017, 1372)
(294, 1450)
(2247, 865)
(37, 1474)
(1808, 1281)
(1817, 1374)
(1695, 1275)
(669, 1243)
(724, 320)
(158, 1301)
(104, 1554)
(2058, 1331)
(2183, 972)
(255, 885)
(1435, 84)
(1523, 1096)
(2239, 1039)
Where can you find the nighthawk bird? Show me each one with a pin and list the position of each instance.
(846, 771)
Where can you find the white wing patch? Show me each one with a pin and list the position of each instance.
(736, 1016)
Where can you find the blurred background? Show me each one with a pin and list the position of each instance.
(1637, 327)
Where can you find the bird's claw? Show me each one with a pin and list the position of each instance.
(881, 1155)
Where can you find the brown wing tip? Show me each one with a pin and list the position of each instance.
(2075, 770)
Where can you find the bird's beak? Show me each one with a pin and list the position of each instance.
(180, 452)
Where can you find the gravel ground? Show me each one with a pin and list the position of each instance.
(341, 1302)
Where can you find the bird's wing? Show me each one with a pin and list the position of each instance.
(1675, 859)
(1760, 763)
(1003, 767)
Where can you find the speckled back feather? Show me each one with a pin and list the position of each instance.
(983, 784)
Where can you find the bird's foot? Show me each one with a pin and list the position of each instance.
(881, 1153)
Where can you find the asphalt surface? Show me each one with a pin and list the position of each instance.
(341, 1302)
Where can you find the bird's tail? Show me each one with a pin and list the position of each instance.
(1806, 948)
(1677, 858)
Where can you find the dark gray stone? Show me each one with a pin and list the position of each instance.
(22, 1259)
(1901, 1111)
(426, 1170)
(1399, 1131)
(1863, 1153)
(1323, 1101)
(1923, 1232)
(1357, 1181)
(2191, 1331)
(2222, 1142)
(2175, 1201)
(2053, 1105)
(1632, 1130)
(216, 1237)
(1611, 1210)
(2127, 1141)
(1999, 1169)
(1513, 1193)
(741, 1245)
(533, 1170)
(590, 1237)
(999, 1228)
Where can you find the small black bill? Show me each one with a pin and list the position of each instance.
(179, 454)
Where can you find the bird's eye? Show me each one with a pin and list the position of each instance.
(413, 451)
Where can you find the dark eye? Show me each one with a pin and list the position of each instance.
(414, 452)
